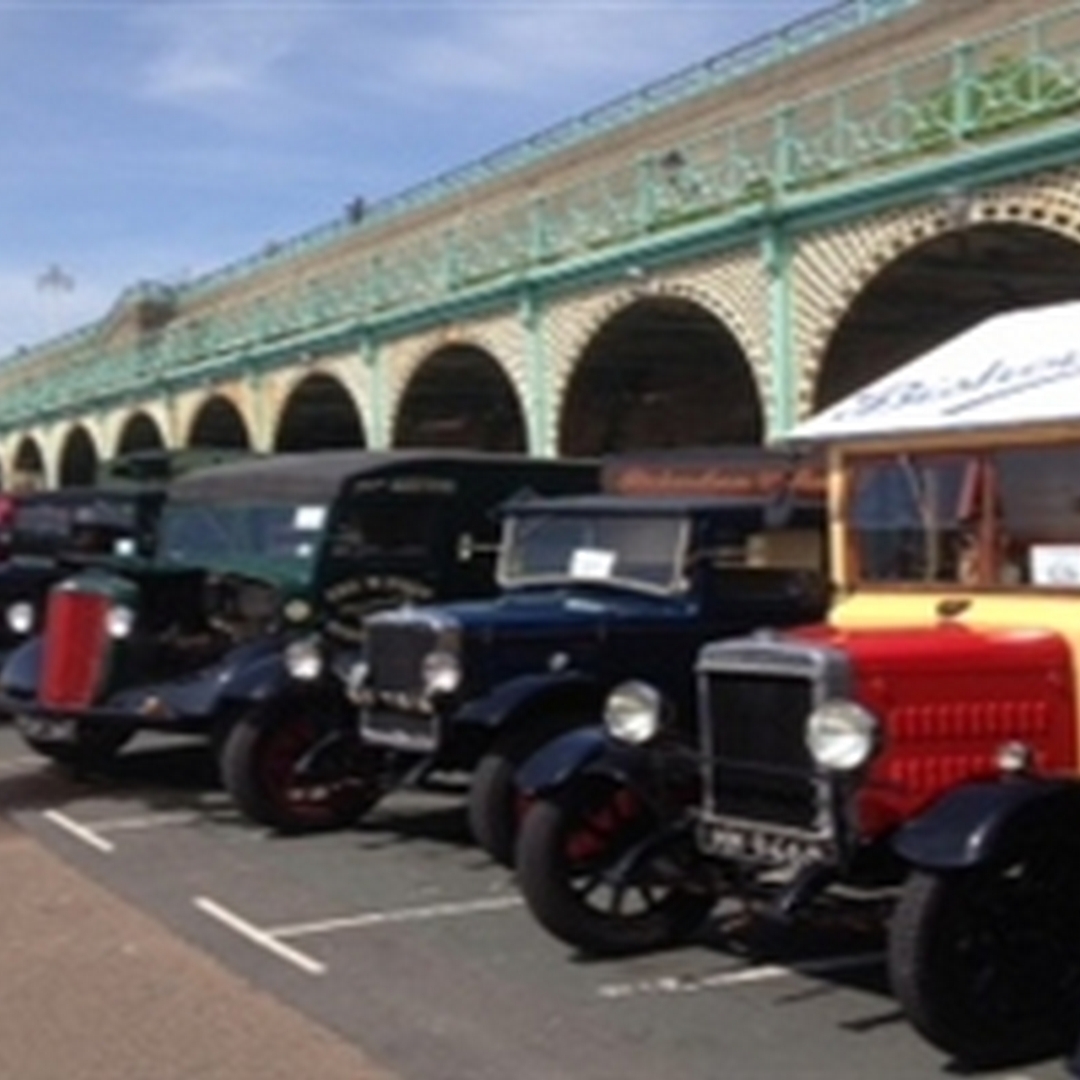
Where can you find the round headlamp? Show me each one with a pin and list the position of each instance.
(441, 672)
(120, 621)
(20, 617)
(297, 611)
(356, 676)
(841, 735)
(304, 659)
(633, 712)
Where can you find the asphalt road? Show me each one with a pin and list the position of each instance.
(392, 948)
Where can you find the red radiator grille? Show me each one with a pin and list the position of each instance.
(75, 649)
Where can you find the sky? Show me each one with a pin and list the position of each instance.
(159, 140)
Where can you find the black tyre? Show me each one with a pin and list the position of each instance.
(93, 747)
(986, 962)
(496, 808)
(259, 762)
(569, 844)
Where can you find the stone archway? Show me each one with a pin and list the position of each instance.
(28, 465)
(461, 397)
(78, 466)
(319, 414)
(661, 372)
(938, 288)
(219, 424)
(140, 432)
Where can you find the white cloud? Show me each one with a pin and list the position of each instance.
(200, 55)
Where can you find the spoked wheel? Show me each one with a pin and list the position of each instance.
(986, 962)
(592, 872)
(266, 766)
(93, 745)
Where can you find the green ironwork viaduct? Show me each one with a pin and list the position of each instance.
(707, 259)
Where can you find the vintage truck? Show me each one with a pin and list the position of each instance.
(917, 749)
(253, 597)
(680, 547)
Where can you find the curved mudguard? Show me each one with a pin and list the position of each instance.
(590, 751)
(976, 823)
(533, 693)
(246, 675)
(22, 668)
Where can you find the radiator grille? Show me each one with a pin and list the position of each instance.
(75, 649)
(759, 768)
(395, 652)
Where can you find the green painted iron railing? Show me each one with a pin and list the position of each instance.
(996, 87)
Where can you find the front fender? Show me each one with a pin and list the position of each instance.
(22, 669)
(546, 691)
(978, 823)
(592, 752)
(556, 761)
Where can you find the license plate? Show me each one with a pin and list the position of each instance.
(46, 730)
(761, 846)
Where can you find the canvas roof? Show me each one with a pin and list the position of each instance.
(1019, 367)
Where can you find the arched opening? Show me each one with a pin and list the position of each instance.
(218, 423)
(940, 288)
(28, 466)
(140, 432)
(78, 459)
(461, 397)
(319, 415)
(662, 372)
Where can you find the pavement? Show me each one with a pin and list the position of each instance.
(92, 989)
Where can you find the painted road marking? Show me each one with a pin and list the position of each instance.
(256, 936)
(145, 821)
(696, 984)
(86, 835)
(21, 764)
(401, 915)
(269, 938)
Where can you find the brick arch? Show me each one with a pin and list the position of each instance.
(833, 269)
(709, 293)
(28, 466)
(497, 341)
(502, 340)
(290, 392)
(731, 289)
(218, 421)
(140, 429)
(78, 458)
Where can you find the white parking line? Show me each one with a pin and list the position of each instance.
(684, 984)
(269, 937)
(86, 835)
(145, 821)
(262, 938)
(401, 915)
(21, 764)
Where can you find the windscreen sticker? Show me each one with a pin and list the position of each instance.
(309, 518)
(1056, 565)
(592, 563)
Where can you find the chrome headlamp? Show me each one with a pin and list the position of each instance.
(304, 659)
(120, 621)
(633, 712)
(20, 617)
(841, 735)
(356, 677)
(441, 672)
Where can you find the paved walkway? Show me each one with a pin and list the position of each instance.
(92, 989)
